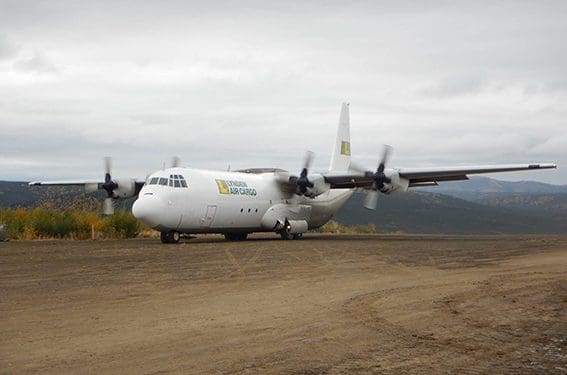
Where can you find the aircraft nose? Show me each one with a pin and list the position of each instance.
(148, 210)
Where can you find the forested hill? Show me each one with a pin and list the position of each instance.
(425, 212)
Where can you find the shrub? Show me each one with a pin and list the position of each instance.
(120, 225)
(74, 224)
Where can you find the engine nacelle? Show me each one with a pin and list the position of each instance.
(319, 186)
(126, 188)
(397, 182)
(277, 215)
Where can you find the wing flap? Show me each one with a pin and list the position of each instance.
(349, 181)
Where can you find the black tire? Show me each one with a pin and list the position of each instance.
(174, 236)
(285, 235)
(164, 237)
(170, 237)
(297, 236)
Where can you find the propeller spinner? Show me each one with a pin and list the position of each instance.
(302, 182)
(109, 186)
(380, 179)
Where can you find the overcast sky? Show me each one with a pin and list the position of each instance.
(255, 84)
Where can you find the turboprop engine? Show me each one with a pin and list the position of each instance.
(309, 187)
(120, 188)
(395, 182)
(318, 186)
(385, 180)
(126, 188)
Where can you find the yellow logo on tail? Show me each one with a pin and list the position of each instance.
(345, 148)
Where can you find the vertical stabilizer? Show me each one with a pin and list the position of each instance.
(340, 159)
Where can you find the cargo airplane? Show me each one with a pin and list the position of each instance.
(178, 201)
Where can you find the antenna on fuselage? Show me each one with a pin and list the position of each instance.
(228, 169)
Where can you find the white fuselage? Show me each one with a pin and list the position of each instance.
(223, 202)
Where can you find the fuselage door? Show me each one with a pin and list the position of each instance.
(207, 221)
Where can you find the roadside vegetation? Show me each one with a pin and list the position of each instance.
(45, 223)
(50, 222)
(336, 227)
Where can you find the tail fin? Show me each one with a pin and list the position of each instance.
(340, 159)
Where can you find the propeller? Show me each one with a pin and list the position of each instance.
(175, 162)
(109, 186)
(302, 182)
(380, 179)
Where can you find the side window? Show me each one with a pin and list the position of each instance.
(177, 183)
(163, 181)
(154, 180)
(170, 182)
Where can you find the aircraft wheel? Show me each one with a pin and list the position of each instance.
(285, 235)
(297, 236)
(170, 237)
(164, 238)
(174, 236)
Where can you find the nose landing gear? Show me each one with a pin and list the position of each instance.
(170, 237)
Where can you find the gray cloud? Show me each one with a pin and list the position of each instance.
(455, 86)
(7, 49)
(37, 64)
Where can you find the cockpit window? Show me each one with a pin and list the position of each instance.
(174, 180)
(177, 180)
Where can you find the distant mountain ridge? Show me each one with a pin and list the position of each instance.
(489, 185)
(520, 196)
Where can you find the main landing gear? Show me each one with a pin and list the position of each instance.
(285, 235)
(235, 236)
(170, 237)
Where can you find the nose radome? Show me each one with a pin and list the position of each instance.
(148, 210)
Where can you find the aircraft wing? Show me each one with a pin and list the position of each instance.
(90, 186)
(65, 183)
(430, 176)
(427, 176)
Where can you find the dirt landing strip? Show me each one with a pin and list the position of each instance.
(325, 304)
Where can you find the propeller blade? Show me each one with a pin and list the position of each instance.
(371, 200)
(386, 151)
(175, 162)
(107, 165)
(309, 155)
(108, 206)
